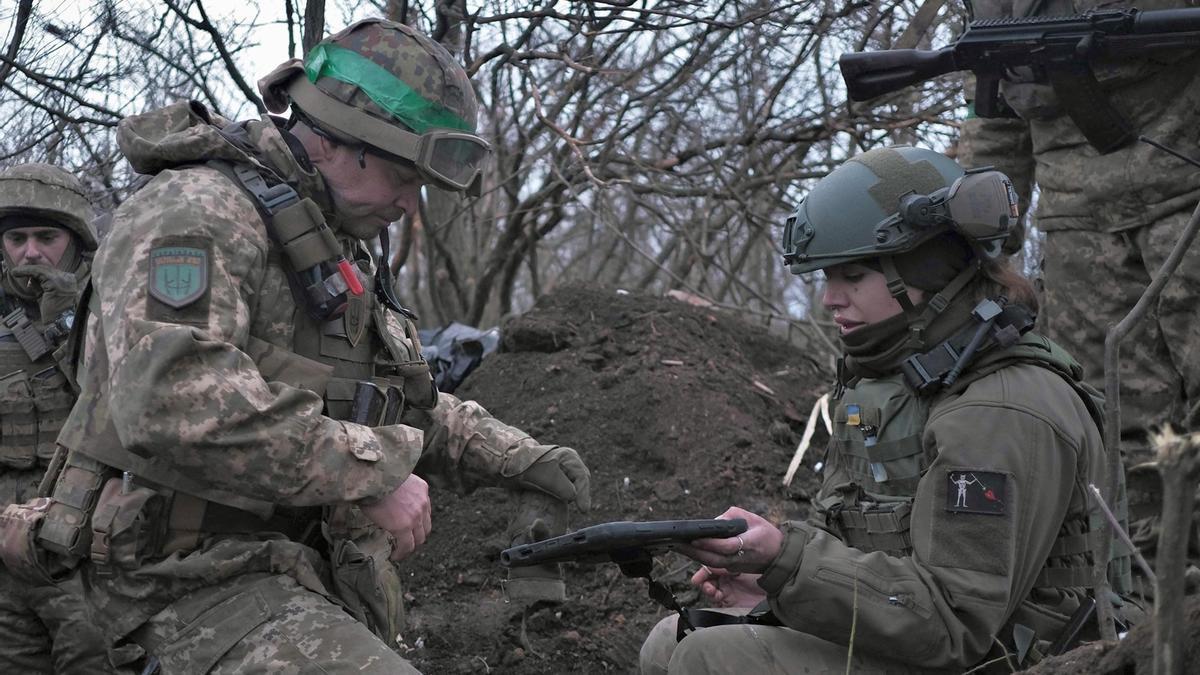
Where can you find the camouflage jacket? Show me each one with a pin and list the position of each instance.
(964, 497)
(1081, 189)
(176, 392)
(179, 386)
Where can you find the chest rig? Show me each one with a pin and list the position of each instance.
(35, 395)
(874, 462)
(351, 321)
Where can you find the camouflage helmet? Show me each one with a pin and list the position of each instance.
(889, 201)
(48, 192)
(384, 85)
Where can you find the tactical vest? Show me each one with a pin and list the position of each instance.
(877, 457)
(35, 398)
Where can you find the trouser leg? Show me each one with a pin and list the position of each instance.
(1178, 308)
(77, 645)
(1092, 281)
(25, 647)
(772, 650)
(660, 643)
(272, 625)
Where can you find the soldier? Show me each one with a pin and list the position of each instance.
(952, 527)
(47, 241)
(1110, 220)
(255, 410)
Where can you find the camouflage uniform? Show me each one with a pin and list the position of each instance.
(46, 628)
(1110, 220)
(220, 399)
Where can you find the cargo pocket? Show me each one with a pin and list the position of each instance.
(408, 369)
(198, 646)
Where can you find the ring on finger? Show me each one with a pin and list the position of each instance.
(741, 547)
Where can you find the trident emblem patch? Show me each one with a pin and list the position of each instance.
(178, 275)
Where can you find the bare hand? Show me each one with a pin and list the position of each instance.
(751, 551)
(728, 589)
(406, 514)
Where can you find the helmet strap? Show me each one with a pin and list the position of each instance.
(919, 320)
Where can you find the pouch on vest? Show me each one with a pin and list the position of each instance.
(321, 278)
(18, 422)
(369, 586)
(65, 530)
(19, 526)
(276, 364)
(405, 367)
(868, 525)
(125, 524)
(52, 399)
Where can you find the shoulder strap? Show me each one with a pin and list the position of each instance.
(71, 352)
(1040, 351)
(268, 200)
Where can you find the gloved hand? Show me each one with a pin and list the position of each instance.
(539, 516)
(55, 289)
(556, 470)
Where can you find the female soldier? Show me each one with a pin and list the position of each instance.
(952, 525)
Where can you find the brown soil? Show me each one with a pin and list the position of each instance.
(593, 369)
(679, 412)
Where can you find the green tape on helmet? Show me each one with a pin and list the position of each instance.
(388, 92)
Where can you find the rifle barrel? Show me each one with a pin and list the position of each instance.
(1167, 21)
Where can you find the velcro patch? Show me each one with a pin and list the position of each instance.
(969, 491)
(179, 279)
(179, 274)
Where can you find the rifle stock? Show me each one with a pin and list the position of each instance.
(872, 74)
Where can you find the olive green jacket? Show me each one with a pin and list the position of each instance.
(968, 574)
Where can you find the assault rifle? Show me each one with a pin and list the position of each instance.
(632, 546)
(1059, 49)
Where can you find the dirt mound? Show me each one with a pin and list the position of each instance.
(679, 412)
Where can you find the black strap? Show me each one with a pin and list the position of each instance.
(636, 563)
(761, 615)
(266, 201)
(930, 371)
(383, 278)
